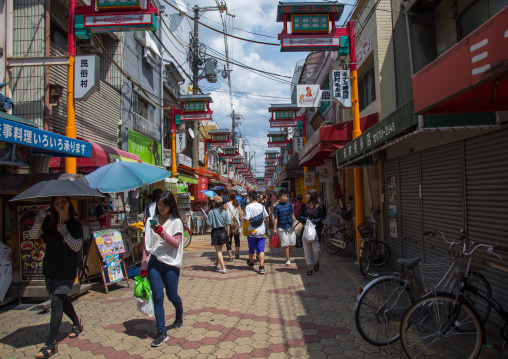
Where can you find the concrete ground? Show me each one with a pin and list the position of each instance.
(241, 314)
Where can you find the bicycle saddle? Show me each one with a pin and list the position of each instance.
(409, 263)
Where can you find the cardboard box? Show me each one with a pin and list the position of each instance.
(5, 270)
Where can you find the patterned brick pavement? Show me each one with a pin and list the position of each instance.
(241, 314)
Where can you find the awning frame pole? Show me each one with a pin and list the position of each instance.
(173, 144)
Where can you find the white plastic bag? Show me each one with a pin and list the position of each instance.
(309, 233)
(145, 306)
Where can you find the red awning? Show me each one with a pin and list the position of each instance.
(101, 156)
(472, 76)
(328, 139)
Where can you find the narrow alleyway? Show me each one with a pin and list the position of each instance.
(241, 314)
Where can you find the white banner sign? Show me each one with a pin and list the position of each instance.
(181, 142)
(307, 95)
(309, 179)
(298, 143)
(341, 87)
(184, 160)
(287, 157)
(326, 173)
(86, 76)
(362, 52)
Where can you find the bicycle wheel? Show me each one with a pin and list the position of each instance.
(187, 237)
(329, 233)
(426, 331)
(380, 253)
(481, 305)
(365, 255)
(380, 308)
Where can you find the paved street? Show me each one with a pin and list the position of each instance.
(241, 314)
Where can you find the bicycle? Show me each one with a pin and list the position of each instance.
(339, 235)
(373, 252)
(382, 303)
(187, 236)
(445, 323)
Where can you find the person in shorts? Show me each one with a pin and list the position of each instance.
(283, 216)
(255, 214)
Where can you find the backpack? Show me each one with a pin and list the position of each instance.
(234, 222)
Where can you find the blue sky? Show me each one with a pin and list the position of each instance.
(255, 16)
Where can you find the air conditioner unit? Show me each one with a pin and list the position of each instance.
(90, 46)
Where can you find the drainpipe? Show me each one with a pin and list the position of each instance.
(46, 68)
(9, 44)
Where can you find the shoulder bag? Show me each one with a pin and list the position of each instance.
(297, 227)
(234, 222)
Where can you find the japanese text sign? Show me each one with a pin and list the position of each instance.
(298, 141)
(181, 142)
(30, 136)
(341, 87)
(86, 76)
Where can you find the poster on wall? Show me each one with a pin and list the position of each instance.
(309, 179)
(392, 205)
(109, 242)
(146, 148)
(31, 250)
(326, 173)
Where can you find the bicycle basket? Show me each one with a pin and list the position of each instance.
(365, 230)
(441, 274)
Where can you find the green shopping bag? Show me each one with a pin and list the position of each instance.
(142, 287)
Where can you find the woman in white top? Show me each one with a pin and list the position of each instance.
(162, 260)
(235, 213)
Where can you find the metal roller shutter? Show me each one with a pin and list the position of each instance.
(391, 169)
(487, 205)
(442, 195)
(410, 213)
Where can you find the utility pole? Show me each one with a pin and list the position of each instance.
(195, 79)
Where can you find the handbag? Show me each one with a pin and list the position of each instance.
(299, 242)
(297, 227)
(223, 236)
(245, 228)
(275, 243)
(309, 233)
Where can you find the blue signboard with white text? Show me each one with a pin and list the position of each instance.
(14, 132)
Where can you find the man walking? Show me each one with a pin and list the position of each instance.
(255, 214)
(283, 216)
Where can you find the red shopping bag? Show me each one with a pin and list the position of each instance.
(275, 243)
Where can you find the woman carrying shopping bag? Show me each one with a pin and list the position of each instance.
(234, 213)
(315, 213)
(219, 220)
(63, 235)
(162, 260)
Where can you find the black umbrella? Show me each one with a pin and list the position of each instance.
(44, 191)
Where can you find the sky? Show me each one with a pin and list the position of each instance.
(250, 18)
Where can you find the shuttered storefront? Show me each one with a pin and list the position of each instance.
(390, 173)
(487, 205)
(442, 195)
(410, 213)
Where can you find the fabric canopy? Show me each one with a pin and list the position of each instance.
(328, 139)
(101, 156)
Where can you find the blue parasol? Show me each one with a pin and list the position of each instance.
(209, 193)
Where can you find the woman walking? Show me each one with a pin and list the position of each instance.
(219, 220)
(63, 236)
(316, 213)
(162, 260)
(234, 212)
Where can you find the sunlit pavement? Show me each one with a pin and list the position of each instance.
(241, 314)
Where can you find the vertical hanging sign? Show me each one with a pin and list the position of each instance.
(341, 87)
(86, 76)
(181, 142)
(298, 144)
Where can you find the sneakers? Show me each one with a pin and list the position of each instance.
(288, 263)
(178, 322)
(251, 265)
(220, 270)
(161, 337)
(261, 269)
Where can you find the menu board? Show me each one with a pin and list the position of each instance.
(113, 268)
(109, 242)
(31, 250)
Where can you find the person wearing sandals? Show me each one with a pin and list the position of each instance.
(316, 213)
(219, 220)
(162, 260)
(63, 236)
(234, 212)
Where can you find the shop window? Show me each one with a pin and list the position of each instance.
(58, 37)
(367, 89)
(478, 13)
(143, 108)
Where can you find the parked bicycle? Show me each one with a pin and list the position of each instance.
(373, 252)
(382, 303)
(342, 234)
(447, 324)
(187, 236)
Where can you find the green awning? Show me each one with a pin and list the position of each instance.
(187, 179)
(395, 123)
(17, 119)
